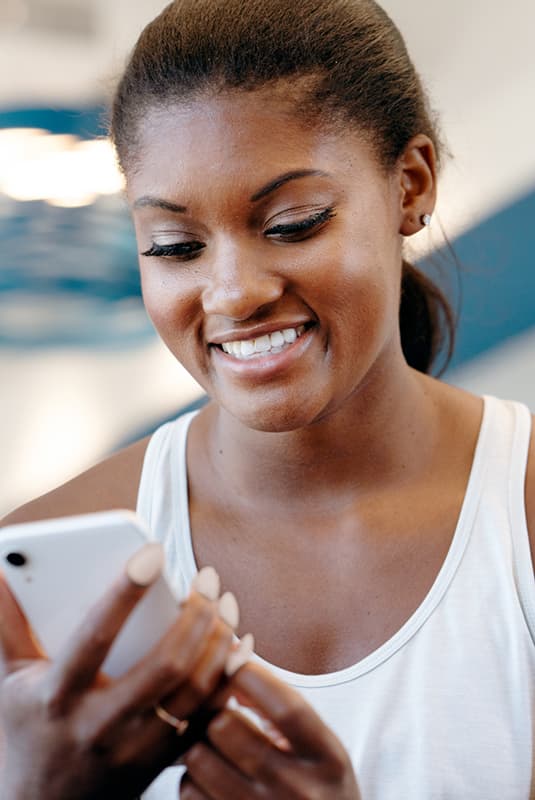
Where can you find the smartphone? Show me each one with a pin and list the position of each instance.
(59, 568)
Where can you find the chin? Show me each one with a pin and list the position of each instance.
(276, 417)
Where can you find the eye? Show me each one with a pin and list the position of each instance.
(295, 231)
(182, 251)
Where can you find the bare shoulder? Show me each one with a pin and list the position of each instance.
(112, 483)
(530, 492)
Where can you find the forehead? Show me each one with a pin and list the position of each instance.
(238, 139)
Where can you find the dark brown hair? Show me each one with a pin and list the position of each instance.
(355, 68)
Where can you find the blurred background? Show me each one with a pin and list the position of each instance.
(81, 370)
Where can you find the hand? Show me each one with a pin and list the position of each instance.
(69, 731)
(238, 761)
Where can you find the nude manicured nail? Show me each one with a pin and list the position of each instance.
(146, 565)
(240, 656)
(277, 738)
(229, 610)
(207, 583)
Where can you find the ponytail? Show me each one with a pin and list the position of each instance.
(426, 321)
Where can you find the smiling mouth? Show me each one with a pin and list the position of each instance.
(267, 345)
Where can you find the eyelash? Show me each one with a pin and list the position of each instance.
(185, 250)
(188, 250)
(303, 225)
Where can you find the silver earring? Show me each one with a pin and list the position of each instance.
(426, 220)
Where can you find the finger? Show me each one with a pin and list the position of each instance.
(77, 667)
(186, 703)
(17, 642)
(245, 746)
(188, 790)
(218, 779)
(205, 677)
(289, 711)
(239, 702)
(156, 742)
(170, 663)
(240, 655)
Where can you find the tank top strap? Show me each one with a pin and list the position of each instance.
(510, 433)
(163, 499)
(150, 474)
(523, 562)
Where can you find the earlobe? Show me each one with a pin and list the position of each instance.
(417, 174)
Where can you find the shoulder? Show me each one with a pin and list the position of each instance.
(111, 484)
(530, 491)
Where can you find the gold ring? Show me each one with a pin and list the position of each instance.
(180, 725)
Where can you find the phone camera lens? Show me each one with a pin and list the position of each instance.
(16, 559)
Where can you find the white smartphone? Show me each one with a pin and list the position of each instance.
(59, 568)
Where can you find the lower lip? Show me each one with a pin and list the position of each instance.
(266, 366)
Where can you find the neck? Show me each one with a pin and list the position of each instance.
(379, 437)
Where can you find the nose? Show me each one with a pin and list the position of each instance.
(240, 284)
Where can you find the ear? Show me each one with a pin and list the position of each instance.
(417, 176)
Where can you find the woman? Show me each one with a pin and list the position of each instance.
(373, 523)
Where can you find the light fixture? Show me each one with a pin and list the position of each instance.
(63, 170)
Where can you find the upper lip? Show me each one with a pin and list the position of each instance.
(257, 331)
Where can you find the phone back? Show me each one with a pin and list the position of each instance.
(58, 569)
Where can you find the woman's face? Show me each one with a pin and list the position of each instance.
(270, 255)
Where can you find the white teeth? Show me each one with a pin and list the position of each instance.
(247, 348)
(269, 343)
(290, 335)
(263, 344)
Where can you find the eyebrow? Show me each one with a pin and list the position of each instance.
(156, 202)
(147, 201)
(282, 179)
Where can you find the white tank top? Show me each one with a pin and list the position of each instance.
(445, 709)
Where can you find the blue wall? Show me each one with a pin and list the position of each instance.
(496, 287)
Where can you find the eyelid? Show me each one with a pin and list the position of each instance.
(191, 248)
(173, 250)
(302, 225)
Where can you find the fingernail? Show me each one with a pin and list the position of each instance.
(277, 738)
(229, 610)
(240, 656)
(146, 565)
(207, 583)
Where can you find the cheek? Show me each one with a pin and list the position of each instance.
(360, 283)
(161, 312)
(172, 307)
(367, 321)
(169, 303)
(361, 301)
